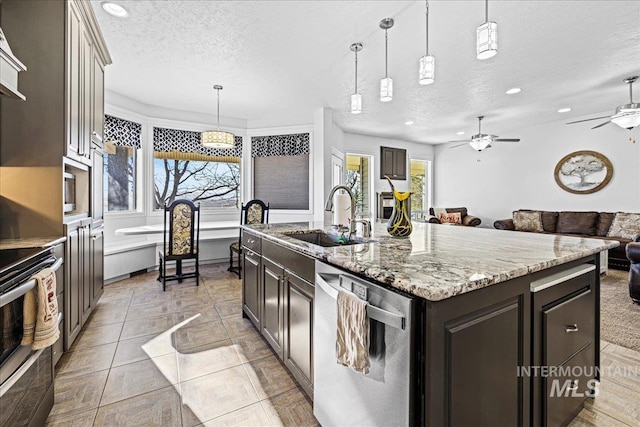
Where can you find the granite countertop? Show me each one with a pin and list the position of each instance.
(31, 242)
(439, 261)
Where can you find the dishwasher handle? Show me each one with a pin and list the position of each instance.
(375, 313)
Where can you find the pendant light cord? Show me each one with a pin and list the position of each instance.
(386, 42)
(427, 28)
(356, 52)
(486, 10)
(631, 92)
(218, 125)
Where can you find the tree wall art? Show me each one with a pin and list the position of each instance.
(583, 172)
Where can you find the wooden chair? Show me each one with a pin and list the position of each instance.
(254, 212)
(180, 242)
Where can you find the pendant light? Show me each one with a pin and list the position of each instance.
(487, 36)
(356, 98)
(427, 72)
(217, 138)
(386, 84)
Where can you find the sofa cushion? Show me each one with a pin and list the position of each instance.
(604, 223)
(528, 221)
(577, 223)
(549, 219)
(625, 226)
(450, 218)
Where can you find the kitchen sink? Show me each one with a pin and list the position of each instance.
(326, 239)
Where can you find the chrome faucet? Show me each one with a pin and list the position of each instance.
(329, 206)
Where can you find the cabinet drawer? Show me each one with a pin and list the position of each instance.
(301, 265)
(568, 327)
(566, 392)
(251, 241)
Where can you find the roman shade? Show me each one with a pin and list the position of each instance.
(121, 132)
(185, 145)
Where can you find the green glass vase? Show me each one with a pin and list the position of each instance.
(399, 224)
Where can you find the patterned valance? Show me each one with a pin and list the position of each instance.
(186, 141)
(280, 145)
(121, 132)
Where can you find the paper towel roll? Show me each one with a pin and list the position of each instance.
(341, 209)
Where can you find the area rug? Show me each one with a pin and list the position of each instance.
(619, 316)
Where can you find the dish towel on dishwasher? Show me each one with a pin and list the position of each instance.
(40, 321)
(352, 338)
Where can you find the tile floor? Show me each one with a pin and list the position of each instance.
(186, 357)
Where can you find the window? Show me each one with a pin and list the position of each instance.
(419, 187)
(184, 169)
(122, 143)
(359, 181)
(281, 170)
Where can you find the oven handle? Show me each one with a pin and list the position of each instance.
(375, 313)
(20, 372)
(25, 287)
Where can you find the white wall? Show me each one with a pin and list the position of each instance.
(364, 144)
(512, 176)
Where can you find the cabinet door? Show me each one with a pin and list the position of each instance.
(386, 163)
(85, 262)
(97, 266)
(251, 285)
(74, 79)
(271, 322)
(298, 327)
(85, 94)
(73, 285)
(97, 114)
(400, 164)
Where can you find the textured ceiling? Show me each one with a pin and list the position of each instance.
(281, 60)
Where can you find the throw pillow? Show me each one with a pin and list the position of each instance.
(577, 223)
(625, 226)
(528, 221)
(450, 218)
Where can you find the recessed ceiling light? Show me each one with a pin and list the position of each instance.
(114, 9)
(408, 122)
(564, 110)
(513, 90)
(461, 133)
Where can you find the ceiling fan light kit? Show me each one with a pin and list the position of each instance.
(627, 116)
(487, 36)
(482, 141)
(356, 98)
(386, 84)
(427, 70)
(217, 138)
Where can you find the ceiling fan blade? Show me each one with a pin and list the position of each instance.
(588, 120)
(459, 140)
(460, 145)
(508, 139)
(601, 124)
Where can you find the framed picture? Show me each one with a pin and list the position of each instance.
(583, 172)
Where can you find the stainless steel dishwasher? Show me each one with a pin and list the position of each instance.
(390, 394)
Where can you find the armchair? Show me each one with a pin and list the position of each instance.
(468, 220)
(180, 240)
(633, 254)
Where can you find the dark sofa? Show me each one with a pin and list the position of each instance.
(580, 224)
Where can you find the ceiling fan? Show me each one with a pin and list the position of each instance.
(482, 141)
(627, 116)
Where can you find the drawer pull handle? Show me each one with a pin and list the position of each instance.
(572, 328)
(573, 386)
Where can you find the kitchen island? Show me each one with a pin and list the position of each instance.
(491, 305)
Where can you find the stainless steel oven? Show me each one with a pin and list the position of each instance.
(26, 376)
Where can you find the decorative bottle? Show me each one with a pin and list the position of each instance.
(399, 224)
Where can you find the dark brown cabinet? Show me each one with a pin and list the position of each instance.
(97, 95)
(298, 332)
(97, 264)
(251, 262)
(565, 335)
(393, 163)
(473, 346)
(271, 279)
(77, 303)
(97, 186)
